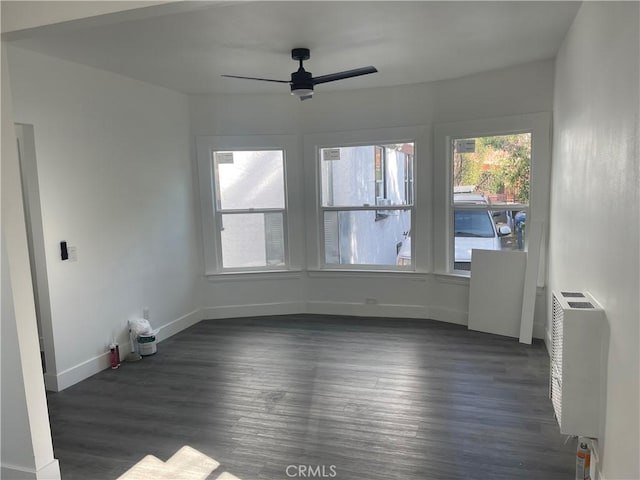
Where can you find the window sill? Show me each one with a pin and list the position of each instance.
(454, 278)
(253, 275)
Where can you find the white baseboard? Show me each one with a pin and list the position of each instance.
(79, 372)
(388, 310)
(365, 309)
(252, 310)
(337, 308)
(51, 471)
(179, 324)
(88, 368)
(449, 315)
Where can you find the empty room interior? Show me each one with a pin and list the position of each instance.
(352, 240)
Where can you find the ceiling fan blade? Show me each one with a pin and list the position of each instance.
(254, 78)
(332, 77)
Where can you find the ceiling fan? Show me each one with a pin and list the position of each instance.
(302, 82)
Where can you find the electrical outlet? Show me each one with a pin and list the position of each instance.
(371, 301)
(145, 313)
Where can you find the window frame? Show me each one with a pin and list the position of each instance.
(409, 188)
(211, 214)
(314, 143)
(539, 126)
(381, 184)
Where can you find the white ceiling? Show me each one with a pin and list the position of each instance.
(188, 48)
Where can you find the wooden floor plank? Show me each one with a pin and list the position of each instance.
(376, 398)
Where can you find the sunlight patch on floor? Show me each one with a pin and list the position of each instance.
(186, 464)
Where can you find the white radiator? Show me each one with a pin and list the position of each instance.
(577, 368)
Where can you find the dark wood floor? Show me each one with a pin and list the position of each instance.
(376, 398)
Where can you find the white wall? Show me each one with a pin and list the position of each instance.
(595, 203)
(26, 450)
(517, 90)
(115, 181)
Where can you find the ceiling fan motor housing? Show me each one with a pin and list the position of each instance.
(301, 80)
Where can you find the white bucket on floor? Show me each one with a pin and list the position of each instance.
(146, 344)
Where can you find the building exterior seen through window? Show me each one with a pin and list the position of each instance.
(366, 202)
(250, 207)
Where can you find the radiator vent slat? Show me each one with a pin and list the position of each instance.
(580, 304)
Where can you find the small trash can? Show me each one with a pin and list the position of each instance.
(147, 345)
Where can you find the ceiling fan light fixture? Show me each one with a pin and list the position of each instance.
(302, 92)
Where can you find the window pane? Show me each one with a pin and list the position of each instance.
(252, 240)
(473, 229)
(367, 175)
(496, 168)
(252, 179)
(474, 224)
(491, 171)
(486, 230)
(355, 238)
(516, 220)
